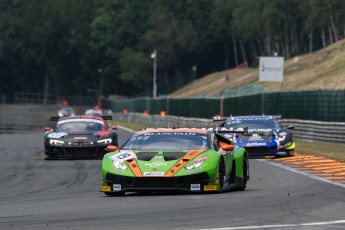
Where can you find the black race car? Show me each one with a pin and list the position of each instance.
(66, 111)
(79, 137)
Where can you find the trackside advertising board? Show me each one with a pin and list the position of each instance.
(271, 69)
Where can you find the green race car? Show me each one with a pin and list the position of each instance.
(175, 159)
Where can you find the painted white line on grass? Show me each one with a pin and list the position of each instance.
(278, 225)
(303, 173)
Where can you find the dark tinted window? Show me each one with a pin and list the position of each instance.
(80, 127)
(253, 123)
(167, 141)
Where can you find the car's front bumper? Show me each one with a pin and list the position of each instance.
(75, 152)
(193, 183)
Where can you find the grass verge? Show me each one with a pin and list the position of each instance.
(329, 150)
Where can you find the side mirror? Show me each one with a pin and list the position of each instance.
(111, 148)
(47, 129)
(114, 127)
(291, 127)
(228, 147)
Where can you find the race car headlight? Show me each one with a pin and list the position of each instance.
(104, 141)
(56, 142)
(118, 165)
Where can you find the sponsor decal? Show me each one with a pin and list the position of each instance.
(228, 135)
(194, 165)
(122, 156)
(155, 164)
(80, 138)
(116, 187)
(255, 144)
(210, 188)
(170, 134)
(57, 135)
(106, 188)
(255, 136)
(153, 173)
(201, 159)
(195, 187)
(259, 130)
(118, 165)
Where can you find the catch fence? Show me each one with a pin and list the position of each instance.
(317, 105)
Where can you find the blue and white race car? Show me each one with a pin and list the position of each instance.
(265, 135)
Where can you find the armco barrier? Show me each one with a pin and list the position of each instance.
(305, 130)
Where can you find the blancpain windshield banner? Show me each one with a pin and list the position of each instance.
(271, 69)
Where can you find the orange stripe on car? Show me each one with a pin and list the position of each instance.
(189, 156)
(133, 165)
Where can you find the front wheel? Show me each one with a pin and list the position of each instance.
(245, 169)
(48, 158)
(221, 174)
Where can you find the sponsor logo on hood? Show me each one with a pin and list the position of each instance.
(155, 164)
(259, 130)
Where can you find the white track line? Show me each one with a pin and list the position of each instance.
(303, 173)
(126, 129)
(278, 225)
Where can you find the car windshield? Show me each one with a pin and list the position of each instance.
(80, 127)
(167, 141)
(253, 123)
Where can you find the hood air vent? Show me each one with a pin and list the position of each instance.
(169, 156)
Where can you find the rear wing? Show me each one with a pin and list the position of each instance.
(103, 117)
(225, 130)
(54, 118)
(276, 116)
(108, 118)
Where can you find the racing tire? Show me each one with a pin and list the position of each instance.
(122, 193)
(245, 168)
(290, 152)
(221, 174)
(48, 158)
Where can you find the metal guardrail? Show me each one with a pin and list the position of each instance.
(304, 129)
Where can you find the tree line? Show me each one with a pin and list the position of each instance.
(69, 47)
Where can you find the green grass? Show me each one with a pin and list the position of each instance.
(328, 150)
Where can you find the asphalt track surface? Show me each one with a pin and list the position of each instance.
(64, 194)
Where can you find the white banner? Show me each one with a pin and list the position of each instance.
(271, 69)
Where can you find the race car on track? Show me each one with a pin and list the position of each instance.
(66, 111)
(79, 136)
(175, 159)
(265, 135)
(96, 111)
